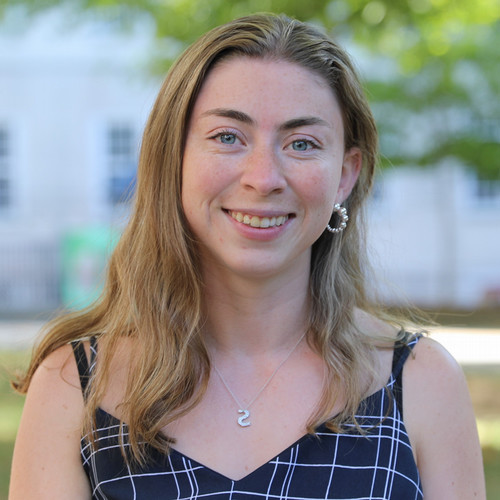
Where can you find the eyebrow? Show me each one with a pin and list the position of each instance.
(303, 122)
(288, 125)
(230, 113)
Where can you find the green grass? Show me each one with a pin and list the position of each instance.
(491, 457)
(479, 318)
(11, 406)
(484, 384)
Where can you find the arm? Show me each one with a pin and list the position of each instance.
(46, 462)
(441, 424)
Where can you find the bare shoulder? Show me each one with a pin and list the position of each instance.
(437, 409)
(46, 461)
(59, 368)
(431, 362)
(433, 381)
(59, 372)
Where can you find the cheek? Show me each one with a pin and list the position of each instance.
(193, 177)
(319, 188)
(204, 183)
(205, 177)
(201, 186)
(190, 187)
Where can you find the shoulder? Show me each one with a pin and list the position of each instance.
(57, 371)
(54, 400)
(431, 371)
(46, 461)
(429, 351)
(437, 409)
(432, 376)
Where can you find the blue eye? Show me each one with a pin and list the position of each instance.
(227, 138)
(300, 145)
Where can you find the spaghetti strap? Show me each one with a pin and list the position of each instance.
(82, 362)
(402, 350)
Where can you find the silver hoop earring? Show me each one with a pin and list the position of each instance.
(342, 213)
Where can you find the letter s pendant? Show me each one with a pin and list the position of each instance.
(241, 420)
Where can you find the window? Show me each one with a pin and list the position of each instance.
(488, 189)
(122, 160)
(4, 169)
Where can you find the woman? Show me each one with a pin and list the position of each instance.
(234, 351)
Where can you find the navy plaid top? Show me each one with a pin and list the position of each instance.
(377, 465)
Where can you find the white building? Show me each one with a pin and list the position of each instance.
(435, 237)
(73, 101)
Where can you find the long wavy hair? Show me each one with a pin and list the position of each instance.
(153, 291)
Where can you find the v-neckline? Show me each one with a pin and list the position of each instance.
(212, 471)
(305, 437)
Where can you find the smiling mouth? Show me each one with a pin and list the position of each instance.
(259, 222)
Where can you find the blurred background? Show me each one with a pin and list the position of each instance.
(78, 78)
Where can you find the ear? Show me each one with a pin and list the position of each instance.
(351, 167)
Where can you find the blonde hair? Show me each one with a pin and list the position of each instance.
(153, 291)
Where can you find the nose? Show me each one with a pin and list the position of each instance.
(263, 172)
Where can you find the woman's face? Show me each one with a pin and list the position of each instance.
(263, 165)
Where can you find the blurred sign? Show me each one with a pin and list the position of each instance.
(85, 253)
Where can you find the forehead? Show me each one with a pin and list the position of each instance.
(264, 83)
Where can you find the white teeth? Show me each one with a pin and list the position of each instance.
(255, 221)
(265, 222)
(261, 222)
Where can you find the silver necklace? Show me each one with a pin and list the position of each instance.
(243, 411)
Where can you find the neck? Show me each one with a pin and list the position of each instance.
(251, 316)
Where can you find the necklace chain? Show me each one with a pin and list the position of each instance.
(242, 421)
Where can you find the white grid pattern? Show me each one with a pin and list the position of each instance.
(347, 466)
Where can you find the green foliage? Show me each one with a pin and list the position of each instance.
(450, 100)
(444, 56)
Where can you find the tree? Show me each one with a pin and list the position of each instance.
(430, 65)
